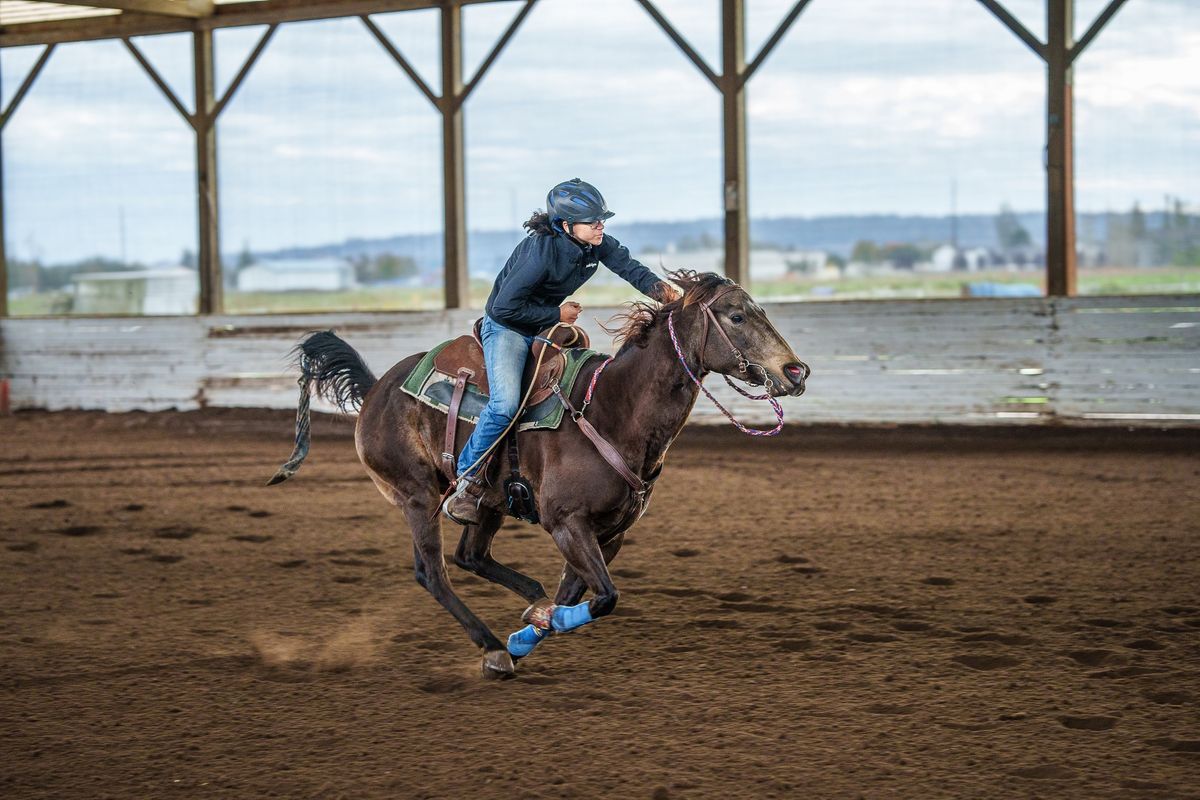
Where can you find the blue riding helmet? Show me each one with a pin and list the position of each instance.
(576, 201)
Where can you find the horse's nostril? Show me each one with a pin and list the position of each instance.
(797, 372)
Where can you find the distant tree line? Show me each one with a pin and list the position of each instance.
(1010, 233)
(32, 274)
(902, 255)
(383, 267)
(43, 278)
(1015, 245)
(375, 268)
(1131, 241)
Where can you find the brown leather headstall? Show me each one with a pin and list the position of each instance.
(711, 318)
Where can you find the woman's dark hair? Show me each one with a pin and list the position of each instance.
(538, 224)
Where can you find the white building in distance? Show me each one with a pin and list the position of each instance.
(170, 290)
(765, 265)
(294, 275)
(948, 258)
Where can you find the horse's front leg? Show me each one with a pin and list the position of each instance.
(571, 587)
(587, 559)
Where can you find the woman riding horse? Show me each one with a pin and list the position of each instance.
(591, 479)
(557, 257)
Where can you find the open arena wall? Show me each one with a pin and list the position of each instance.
(1131, 360)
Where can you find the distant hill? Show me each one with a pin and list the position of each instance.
(488, 250)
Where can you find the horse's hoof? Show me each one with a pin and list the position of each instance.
(538, 615)
(497, 665)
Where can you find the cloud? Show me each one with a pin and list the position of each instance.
(865, 106)
(1118, 79)
(928, 109)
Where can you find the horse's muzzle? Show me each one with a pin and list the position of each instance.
(797, 373)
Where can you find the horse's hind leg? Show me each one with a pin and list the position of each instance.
(474, 554)
(430, 568)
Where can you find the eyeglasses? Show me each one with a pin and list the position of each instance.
(597, 225)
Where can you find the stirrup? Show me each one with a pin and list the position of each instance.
(472, 489)
(450, 516)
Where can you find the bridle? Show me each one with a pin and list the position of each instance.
(709, 319)
(610, 454)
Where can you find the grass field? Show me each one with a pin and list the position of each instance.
(1108, 281)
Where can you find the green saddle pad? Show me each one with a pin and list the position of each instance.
(435, 389)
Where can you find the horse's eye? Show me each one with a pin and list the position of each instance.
(737, 319)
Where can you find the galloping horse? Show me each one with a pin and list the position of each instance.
(640, 403)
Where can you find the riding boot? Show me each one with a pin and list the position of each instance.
(463, 506)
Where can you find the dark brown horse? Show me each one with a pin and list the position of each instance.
(640, 404)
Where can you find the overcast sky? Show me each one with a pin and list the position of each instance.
(866, 106)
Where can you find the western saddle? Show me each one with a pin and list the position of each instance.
(462, 360)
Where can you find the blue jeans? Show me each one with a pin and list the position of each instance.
(504, 353)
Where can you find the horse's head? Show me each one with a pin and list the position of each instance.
(735, 338)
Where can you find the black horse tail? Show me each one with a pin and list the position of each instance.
(336, 372)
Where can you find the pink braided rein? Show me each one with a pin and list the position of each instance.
(595, 376)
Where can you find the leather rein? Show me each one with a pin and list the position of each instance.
(613, 456)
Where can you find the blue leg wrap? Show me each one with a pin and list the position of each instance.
(566, 618)
(521, 643)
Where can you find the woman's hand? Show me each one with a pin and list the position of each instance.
(569, 312)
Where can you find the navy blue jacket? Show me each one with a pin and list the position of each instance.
(544, 270)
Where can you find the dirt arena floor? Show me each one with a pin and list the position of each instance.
(828, 614)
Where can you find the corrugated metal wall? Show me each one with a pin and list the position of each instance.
(1011, 361)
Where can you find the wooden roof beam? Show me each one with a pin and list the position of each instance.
(224, 15)
(780, 32)
(1013, 24)
(682, 43)
(191, 9)
(1097, 25)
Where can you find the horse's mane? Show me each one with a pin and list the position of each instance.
(632, 327)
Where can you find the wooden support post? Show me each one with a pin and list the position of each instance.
(457, 285)
(5, 115)
(3, 253)
(212, 290)
(1060, 168)
(1059, 52)
(733, 125)
(456, 280)
(732, 86)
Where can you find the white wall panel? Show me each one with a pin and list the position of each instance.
(953, 361)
